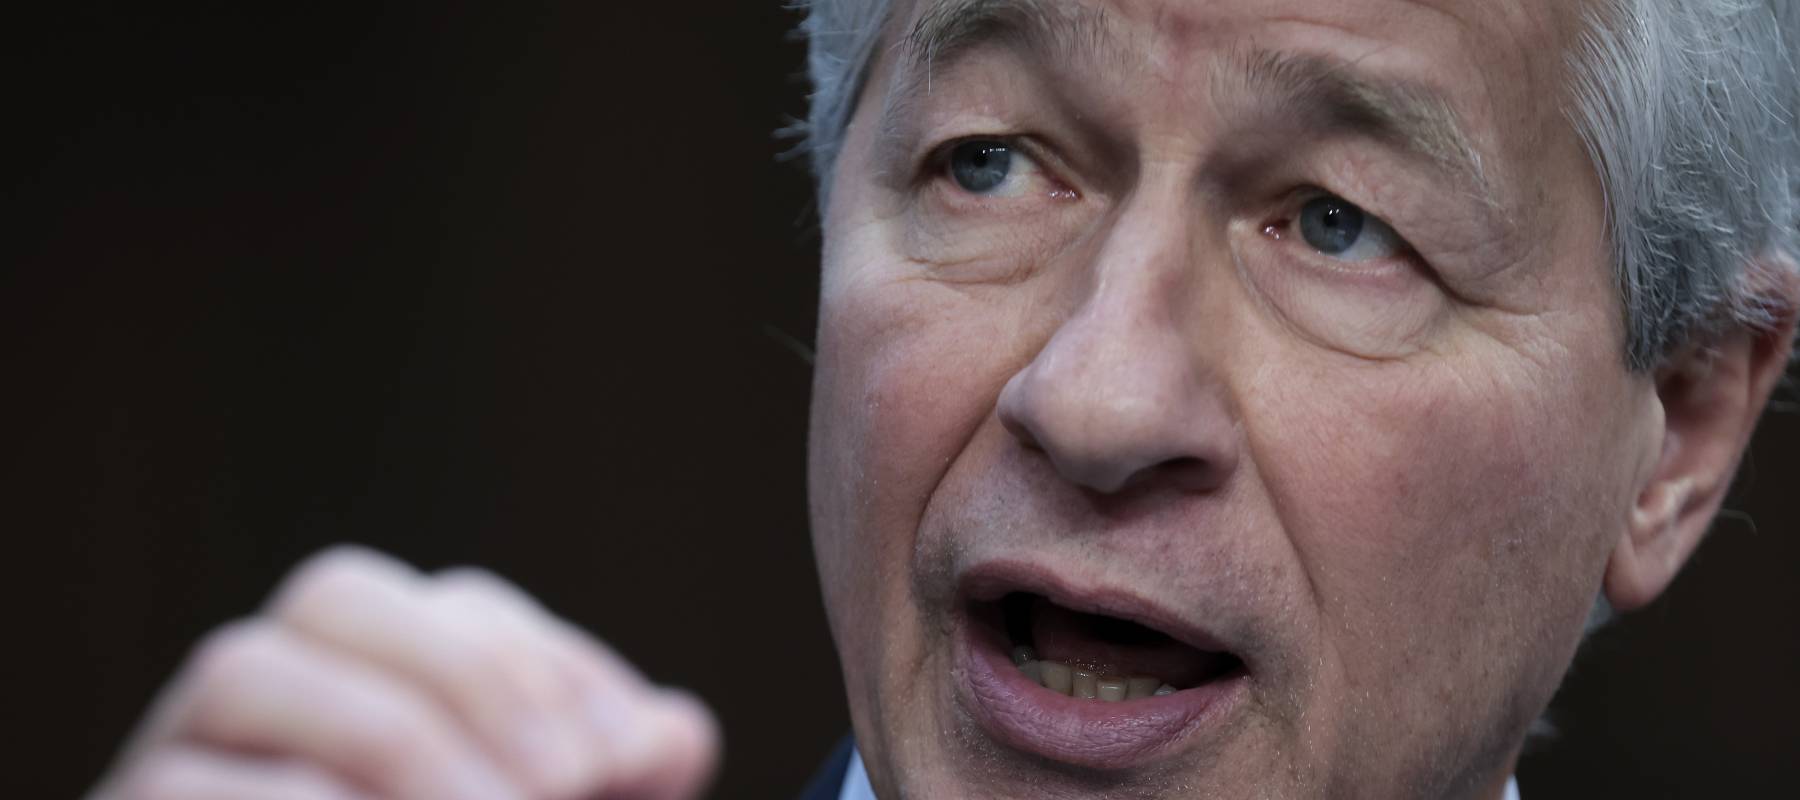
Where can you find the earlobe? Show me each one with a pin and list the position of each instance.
(1652, 551)
(1710, 398)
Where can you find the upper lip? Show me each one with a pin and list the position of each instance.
(990, 581)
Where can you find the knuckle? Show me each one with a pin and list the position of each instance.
(337, 572)
(232, 653)
(476, 585)
(500, 678)
(496, 648)
(226, 665)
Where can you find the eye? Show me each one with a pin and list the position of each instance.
(990, 168)
(1337, 228)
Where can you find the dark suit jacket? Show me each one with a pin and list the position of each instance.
(829, 780)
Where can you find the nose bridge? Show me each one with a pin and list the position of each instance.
(1122, 391)
(1124, 334)
(1141, 275)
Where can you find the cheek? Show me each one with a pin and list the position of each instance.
(1459, 516)
(907, 371)
(902, 379)
(1417, 472)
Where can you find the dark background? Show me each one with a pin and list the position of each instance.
(516, 284)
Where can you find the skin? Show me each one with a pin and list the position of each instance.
(1400, 484)
(364, 678)
(1392, 486)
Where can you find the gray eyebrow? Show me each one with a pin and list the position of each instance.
(1406, 115)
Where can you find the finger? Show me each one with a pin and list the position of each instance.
(261, 688)
(674, 755)
(189, 773)
(580, 657)
(495, 677)
(654, 742)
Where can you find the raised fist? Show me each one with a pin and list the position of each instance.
(365, 678)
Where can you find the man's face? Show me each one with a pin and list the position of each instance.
(1265, 351)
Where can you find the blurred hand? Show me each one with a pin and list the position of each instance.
(367, 679)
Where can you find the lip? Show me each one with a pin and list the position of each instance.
(1018, 713)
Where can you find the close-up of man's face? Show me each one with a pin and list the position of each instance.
(1262, 363)
(911, 400)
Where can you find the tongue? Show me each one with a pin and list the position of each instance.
(1111, 646)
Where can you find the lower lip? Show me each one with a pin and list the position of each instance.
(1019, 713)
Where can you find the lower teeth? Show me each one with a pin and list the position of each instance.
(1076, 682)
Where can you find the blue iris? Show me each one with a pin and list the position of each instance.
(980, 167)
(1331, 225)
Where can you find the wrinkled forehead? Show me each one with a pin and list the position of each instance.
(1536, 28)
(1469, 81)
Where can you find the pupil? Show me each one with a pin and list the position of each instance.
(980, 167)
(1330, 225)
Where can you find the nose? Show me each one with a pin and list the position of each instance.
(1123, 395)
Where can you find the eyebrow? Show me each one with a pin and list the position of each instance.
(1404, 114)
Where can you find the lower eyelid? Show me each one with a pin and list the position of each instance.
(1384, 267)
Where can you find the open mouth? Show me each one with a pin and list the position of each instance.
(1101, 657)
(1093, 678)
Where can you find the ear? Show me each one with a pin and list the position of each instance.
(1711, 397)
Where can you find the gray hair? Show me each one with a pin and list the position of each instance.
(840, 40)
(1687, 109)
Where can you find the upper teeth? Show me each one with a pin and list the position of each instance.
(1077, 682)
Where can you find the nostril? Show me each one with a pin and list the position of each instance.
(1183, 464)
(1020, 431)
(1188, 472)
(1195, 474)
(1184, 473)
